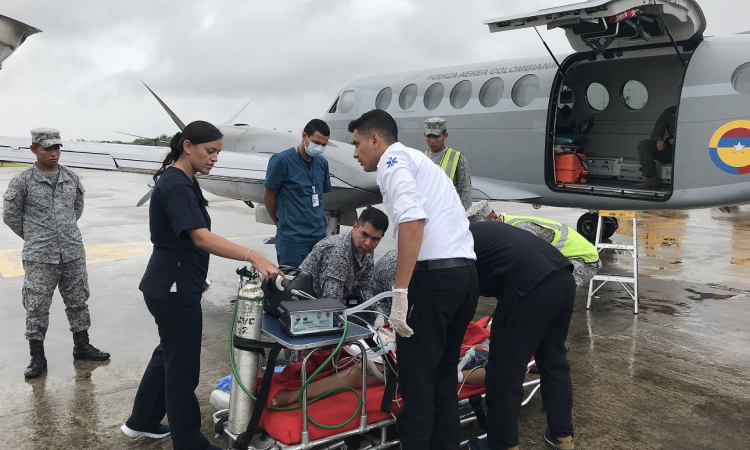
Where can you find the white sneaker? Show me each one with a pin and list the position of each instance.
(161, 432)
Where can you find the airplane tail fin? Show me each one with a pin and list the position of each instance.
(174, 117)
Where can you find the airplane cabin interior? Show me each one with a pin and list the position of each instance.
(603, 109)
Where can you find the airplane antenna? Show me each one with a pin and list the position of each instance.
(669, 33)
(229, 122)
(166, 108)
(548, 50)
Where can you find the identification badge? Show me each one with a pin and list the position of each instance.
(315, 201)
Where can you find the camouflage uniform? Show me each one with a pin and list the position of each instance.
(44, 215)
(383, 277)
(338, 270)
(462, 178)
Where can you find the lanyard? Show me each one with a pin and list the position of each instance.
(312, 176)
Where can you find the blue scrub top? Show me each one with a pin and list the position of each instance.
(177, 205)
(298, 221)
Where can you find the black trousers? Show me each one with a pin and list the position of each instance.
(441, 304)
(168, 385)
(649, 154)
(524, 326)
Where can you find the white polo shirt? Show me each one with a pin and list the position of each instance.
(413, 188)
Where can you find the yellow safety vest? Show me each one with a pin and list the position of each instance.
(449, 163)
(570, 243)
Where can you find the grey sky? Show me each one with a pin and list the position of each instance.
(207, 58)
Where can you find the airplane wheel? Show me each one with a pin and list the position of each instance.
(536, 206)
(610, 226)
(587, 226)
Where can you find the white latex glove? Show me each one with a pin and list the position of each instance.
(399, 308)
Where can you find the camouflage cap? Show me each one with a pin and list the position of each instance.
(434, 125)
(46, 137)
(479, 211)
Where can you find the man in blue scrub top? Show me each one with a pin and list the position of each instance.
(295, 180)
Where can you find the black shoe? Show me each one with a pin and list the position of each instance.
(37, 367)
(560, 442)
(481, 444)
(38, 362)
(83, 350)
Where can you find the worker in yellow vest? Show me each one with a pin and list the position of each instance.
(571, 244)
(452, 162)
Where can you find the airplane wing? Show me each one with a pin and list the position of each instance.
(232, 166)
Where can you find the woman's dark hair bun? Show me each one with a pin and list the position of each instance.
(198, 132)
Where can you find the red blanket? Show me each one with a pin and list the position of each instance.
(286, 426)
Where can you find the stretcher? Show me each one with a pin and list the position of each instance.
(293, 429)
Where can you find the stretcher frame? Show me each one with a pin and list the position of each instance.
(336, 440)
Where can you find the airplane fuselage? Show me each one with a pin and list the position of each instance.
(509, 139)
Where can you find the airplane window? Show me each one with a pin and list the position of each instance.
(408, 96)
(347, 101)
(634, 95)
(334, 106)
(741, 79)
(597, 97)
(433, 96)
(460, 94)
(525, 90)
(383, 100)
(491, 92)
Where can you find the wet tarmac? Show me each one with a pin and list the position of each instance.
(675, 376)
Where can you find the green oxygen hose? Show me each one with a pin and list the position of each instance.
(304, 386)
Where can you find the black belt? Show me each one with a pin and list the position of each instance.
(437, 264)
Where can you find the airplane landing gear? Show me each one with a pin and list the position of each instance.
(587, 226)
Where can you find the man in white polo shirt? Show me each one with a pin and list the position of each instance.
(436, 288)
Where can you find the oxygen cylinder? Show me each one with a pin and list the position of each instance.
(247, 325)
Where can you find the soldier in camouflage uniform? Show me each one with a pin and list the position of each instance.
(435, 134)
(583, 271)
(341, 265)
(42, 205)
(383, 276)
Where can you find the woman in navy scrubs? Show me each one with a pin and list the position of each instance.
(172, 287)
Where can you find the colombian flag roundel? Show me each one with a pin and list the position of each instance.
(730, 147)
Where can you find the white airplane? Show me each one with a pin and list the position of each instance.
(632, 59)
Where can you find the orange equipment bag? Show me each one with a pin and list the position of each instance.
(571, 168)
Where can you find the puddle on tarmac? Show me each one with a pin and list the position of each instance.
(708, 295)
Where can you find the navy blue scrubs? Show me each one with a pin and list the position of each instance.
(172, 287)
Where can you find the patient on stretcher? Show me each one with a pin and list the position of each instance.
(474, 354)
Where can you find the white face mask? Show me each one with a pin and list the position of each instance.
(314, 149)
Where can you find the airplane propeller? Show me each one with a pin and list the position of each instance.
(143, 137)
(174, 117)
(229, 122)
(177, 121)
(145, 198)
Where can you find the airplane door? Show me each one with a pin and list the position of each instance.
(712, 146)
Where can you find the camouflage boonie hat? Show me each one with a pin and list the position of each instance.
(46, 137)
(434, 125)
(478, 212)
